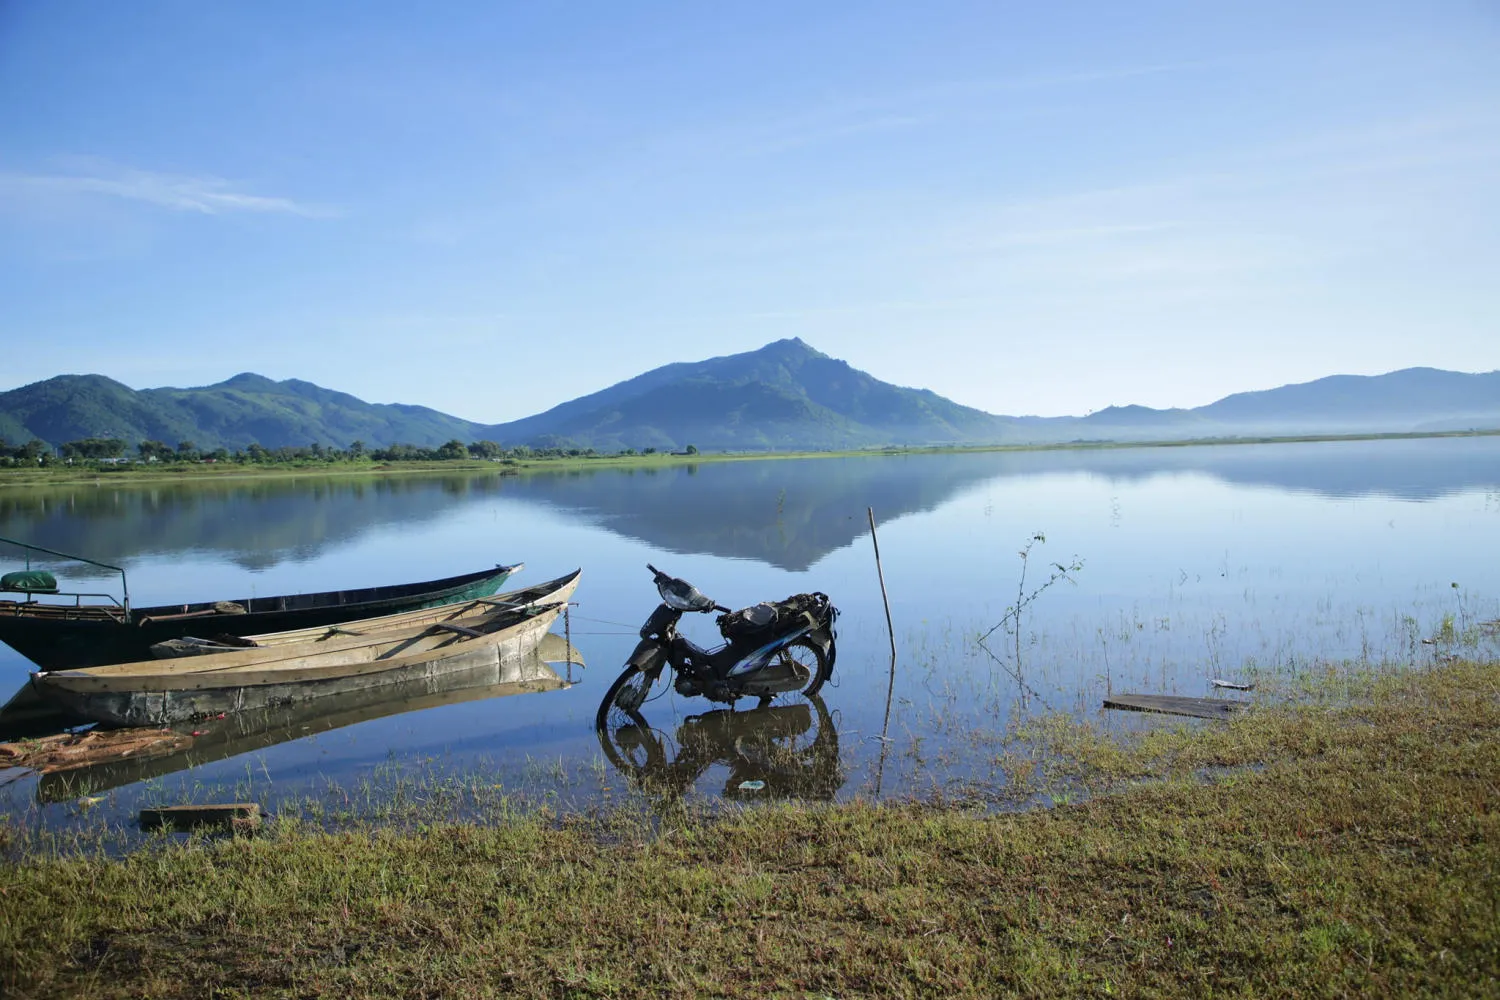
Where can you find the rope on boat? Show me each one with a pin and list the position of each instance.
(568, 635)
(605, 621)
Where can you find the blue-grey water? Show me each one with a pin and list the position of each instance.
(1234, 562)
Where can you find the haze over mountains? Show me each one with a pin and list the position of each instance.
(785, 395)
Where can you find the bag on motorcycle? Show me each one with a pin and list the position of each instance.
(770, 620)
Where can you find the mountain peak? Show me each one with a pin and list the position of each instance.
(84, 380)
(783, 395)
(790, 347)
(246, 380)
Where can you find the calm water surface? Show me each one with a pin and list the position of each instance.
(1198, 563)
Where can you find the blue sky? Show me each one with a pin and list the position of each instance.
(491, 208)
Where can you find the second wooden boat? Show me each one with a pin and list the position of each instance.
(193, 645)
(56, 634)
(159, 692)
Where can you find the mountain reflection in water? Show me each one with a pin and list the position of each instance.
(252, 523)
(788, 513)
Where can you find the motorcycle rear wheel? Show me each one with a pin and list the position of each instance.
(807, 655)
(622, 702)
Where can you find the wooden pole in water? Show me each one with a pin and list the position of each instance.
(880, 574)
(890, 688)
(568, 638)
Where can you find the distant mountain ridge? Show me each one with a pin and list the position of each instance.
(785, 395)
(240, 411)
(788, 395)
(1418, 396)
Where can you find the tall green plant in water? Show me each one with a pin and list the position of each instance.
(1011, 621)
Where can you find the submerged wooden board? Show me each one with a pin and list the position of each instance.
(1198, 708)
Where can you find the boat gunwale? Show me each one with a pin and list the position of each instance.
(436, 613)
(270, 675)
(109, 614)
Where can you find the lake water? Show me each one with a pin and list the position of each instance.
(1234, 562)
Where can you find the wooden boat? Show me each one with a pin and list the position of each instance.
(28, 715)
(251, 731)
(159, 692)
(59, 635)
(192, 645)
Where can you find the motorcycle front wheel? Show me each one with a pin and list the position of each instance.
(634, 749)
(622, 702)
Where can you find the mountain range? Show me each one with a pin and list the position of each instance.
(785, 395)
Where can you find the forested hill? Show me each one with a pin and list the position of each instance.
(244, 410)
(785, 395)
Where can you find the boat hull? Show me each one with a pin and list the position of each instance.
(61, 637)
(255, 730)
(502, 655)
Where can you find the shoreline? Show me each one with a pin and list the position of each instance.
(1346, 844)
(74, 476)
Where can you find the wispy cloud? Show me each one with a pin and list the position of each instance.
(203, 194)
(1286, 207)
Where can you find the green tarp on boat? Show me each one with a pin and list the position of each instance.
(29, 581)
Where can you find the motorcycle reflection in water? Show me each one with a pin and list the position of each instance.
(780, 751)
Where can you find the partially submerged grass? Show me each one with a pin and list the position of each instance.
(1299, 717)
(1358, 856)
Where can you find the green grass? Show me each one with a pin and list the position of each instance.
(1348, 846)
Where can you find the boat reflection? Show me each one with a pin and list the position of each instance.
(249, 731)
(785, 751)
(28, 715)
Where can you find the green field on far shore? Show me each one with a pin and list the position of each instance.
(60, 474)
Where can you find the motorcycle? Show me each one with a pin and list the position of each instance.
(769, 651)
(785, 751)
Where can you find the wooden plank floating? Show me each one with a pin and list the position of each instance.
(239, 816)
(64, 751)
(1198, 708)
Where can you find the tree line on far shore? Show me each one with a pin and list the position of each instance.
(115, 452)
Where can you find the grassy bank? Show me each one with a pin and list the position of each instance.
(60, 475)
(194, 471)
(1341, 849)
